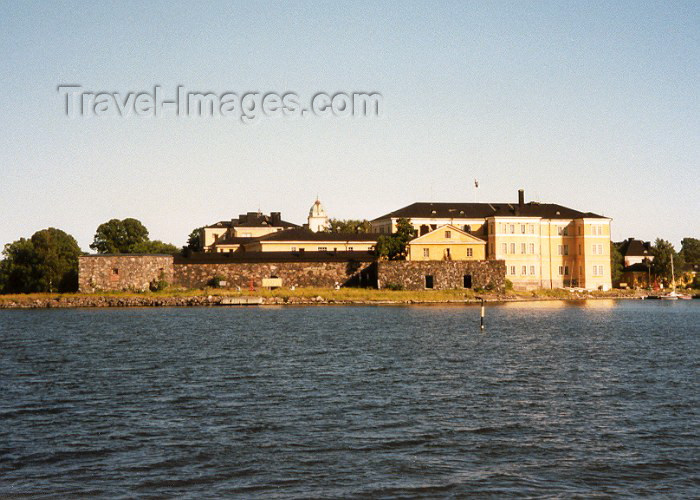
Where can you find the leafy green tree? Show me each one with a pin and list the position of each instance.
(119, 236)
(47, 262)
(393, 247)
(616, 262)
(663, 253)
(690, 251)
(348, 226)
(19, 270)
(155, 246)
(194, 240)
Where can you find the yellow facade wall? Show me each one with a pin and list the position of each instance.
(447, 242)
(439, 251)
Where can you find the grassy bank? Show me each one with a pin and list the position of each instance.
(305, 295)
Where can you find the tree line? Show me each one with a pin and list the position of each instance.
(48, 260)
(663, 253)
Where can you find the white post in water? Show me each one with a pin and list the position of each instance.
(482, 314)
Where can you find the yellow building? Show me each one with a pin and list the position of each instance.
(227, 236)
(304, 240)
(544, 245)
(447, 243)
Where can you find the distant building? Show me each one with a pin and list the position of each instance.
(227, 236)
(544, 245)
(637, 256)
(318, 220)
(301, 240)
(635, 251)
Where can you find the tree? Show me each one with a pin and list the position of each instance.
(194, 240)
(348, 226)
(155, 246)
(663, 252)
(616, 263)
(47, 262)
(119, 236)
(690, 251)
(393, 246)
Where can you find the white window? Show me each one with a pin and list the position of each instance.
(522, 228)
(322, 249)
(524, 270)
(532, 228)
(532, 270)
(294, 249)
(426, 252)
(504, 247)
(532, 248)
(448, 234)
(512, 270)
(563, 250)
(470, 252)
(512, 248)
(523, 248)
(512, 228)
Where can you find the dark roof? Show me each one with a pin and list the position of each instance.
(483, 210)
(302, 234)
(128, 255)
(235, 257)
(635, 248)
(221, 223)
(253, 219)
(263, 221)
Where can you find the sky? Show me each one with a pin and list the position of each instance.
(592, 105)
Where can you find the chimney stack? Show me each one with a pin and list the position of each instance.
(276, 217)
(521, 198)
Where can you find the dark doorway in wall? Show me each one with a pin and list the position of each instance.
(428, 281)
(467, 281)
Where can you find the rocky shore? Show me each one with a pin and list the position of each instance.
(146, 300)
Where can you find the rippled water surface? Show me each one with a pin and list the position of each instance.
(553, 399)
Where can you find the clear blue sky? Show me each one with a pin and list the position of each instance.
(593, 105)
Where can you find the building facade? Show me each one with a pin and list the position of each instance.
(543, 245)
(226, 236)
(446, 243)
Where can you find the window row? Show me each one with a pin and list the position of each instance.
(517, 228)
(525, 248)
(511, 270)
(426, 252)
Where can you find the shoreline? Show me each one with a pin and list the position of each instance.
(300, 298)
